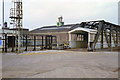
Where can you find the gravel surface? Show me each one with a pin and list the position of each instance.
(61, 64)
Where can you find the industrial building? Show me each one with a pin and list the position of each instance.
(9, 40)
(59, 30)
(90, 35)
(19, 39)
(28, 41)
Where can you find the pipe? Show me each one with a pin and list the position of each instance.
(3, 28)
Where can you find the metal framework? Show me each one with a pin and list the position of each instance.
(16, 15)
(16, 41)
(109, 31)
(39, 41)
(31, 42)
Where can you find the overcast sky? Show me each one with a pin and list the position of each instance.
(38, 13)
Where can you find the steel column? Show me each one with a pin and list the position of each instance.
(102, 40)
(26, 43)
(51, 41)
(110, 38)
(3, 47)
(34, 43)
(42, 42)
(6, 43)
(97, 35)
(116, 38)
(12, 44)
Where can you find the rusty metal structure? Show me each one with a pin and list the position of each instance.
(106, 32)
(38, 42)
(31, 42)
(16, 15)
(19, 39)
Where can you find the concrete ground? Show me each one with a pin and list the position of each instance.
(61, 64)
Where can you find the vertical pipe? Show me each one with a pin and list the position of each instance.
(42, 42)
(19, 26)
(16, 43)
(110, 39)
(5, 42)
(51, 41)
(102, 38)
(70, 39)
(55, 41)
(89, 47)
(13, 43)
(3, 13)
(26, 43)
(116, 38)
(46, 42)
(34, 43)
(19, 41)
(3, 29)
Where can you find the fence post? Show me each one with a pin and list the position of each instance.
(34, 43)
(5, 42)
(26, 43)
(42, 42)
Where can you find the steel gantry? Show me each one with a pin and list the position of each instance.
(16, 15)
(106, 32)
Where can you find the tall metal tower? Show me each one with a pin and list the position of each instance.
(16, 15)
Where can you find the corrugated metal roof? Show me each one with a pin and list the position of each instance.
(54, 28)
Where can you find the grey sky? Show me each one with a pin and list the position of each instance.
(39, 13)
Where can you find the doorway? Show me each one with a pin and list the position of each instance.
(11, 41)
(48, 42)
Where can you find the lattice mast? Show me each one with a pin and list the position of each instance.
(16, 15)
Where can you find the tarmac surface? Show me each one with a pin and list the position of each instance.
(60, 64)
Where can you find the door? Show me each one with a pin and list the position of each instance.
(48, 42)
(11, 41)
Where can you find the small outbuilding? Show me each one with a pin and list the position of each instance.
(81, 37)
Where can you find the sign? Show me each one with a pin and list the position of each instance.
(0, 42)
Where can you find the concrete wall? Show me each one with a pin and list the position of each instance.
(78, 44)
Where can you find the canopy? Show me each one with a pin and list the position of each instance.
(79, 29)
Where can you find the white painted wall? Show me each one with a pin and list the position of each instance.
(78, 44)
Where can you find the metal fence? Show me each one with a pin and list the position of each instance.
(29, 42)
